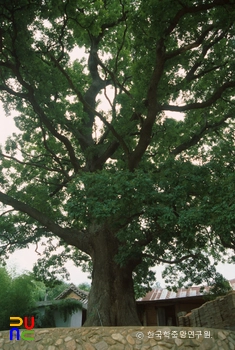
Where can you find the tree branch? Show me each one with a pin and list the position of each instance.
(110, 150)
(74, 237)
(88, 107)
(53, 153)
(193, 9)
(197, 105)
(42, 116)
(188, 47)
(114, 79)
(176, 261)
(13, 92)
(205, 48)
(197, 137)
(191, 76)
(29, 96)
(7, 211)
(153, 108)
(228, 243)
(30, 163)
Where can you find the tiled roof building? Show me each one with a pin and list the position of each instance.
(72, 292)
(161, 307)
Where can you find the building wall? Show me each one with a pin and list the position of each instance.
(74, 320)
(72, 295)
(159, 313)
(219, 313)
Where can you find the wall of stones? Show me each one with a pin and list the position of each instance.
(123, 338)
(219, 313)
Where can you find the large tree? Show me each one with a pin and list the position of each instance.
(127, 184)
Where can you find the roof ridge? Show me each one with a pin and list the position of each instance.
(192, 291)
(81, 293)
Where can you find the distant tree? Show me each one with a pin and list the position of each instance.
(85, 286)
(53, 292)
(219, 286)
(5, 282)
(17, 297)
(39, 289)
(144, 179)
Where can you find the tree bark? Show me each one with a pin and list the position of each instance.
(111, 299)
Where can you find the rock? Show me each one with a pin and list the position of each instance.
(88, 346)
(221, 335)
(179, 341)
(43, 331)
(118, 337)
(130, 339)
(71, 345)
(68, 339)
(101, 345)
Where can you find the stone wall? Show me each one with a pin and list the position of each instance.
(123, 338)
(219, 313)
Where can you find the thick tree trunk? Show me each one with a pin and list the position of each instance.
(111, 299)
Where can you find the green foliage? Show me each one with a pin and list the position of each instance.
(218, 287)
(123, 196)
(65, 308)
(53, 292)
(4, 301)
(17, 297)
(143, 280)
(144, 172)
(85, 286)
(43, 272)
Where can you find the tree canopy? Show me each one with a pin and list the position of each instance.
(125, 150)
